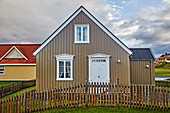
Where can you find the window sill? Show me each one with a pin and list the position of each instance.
(81, 42)
(64, 79)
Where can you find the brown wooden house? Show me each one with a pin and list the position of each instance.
(81, 49)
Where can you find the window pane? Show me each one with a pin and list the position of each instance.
(68, 69)
(84, 33)
(78, 33)
(61, 69)
(61, 75)
(68, 75)
(61, 63)
(67, 63)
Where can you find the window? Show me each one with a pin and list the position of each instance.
(82, 34)
(1, 70)
(64, 67)
(14, 54)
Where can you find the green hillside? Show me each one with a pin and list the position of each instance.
(162, 70)
(162, 66)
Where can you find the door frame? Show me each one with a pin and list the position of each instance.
(99, 55)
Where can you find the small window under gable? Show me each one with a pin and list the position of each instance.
(81, 33)
(64, 67)
(14, 54)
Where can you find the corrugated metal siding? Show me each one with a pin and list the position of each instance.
(139, 74)
(100, 42)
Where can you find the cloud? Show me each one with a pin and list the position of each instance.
(166, 1)
(145, 31)
(32, 21)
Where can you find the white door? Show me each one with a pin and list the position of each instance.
(99, 70)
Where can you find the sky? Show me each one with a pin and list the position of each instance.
(137, 23)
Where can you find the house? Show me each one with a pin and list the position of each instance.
(17, 62)
(82, 49)
(163, 59)
(142, 69)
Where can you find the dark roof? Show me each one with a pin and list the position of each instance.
(141, 54)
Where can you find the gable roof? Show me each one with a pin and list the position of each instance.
(25, 50)
(93, 19)
(13, 47)
(142, 54)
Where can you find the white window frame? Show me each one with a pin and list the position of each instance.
(2, 67)
(75, 33)
(64, 57)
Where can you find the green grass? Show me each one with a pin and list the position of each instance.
(162, 70)
(6, 83)
(19, 92)
(162, 66)
(101, 110)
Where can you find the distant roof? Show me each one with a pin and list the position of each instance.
(142, 54)
(25, 49)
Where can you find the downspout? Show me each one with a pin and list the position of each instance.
(151, 74)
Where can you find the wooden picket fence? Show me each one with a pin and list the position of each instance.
(97, 94)
(5, 90)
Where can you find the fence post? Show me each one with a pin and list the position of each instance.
(118, 92)
(2, 91)
(25, 94)
(86, 92)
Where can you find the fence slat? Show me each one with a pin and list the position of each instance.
(121, 94)
(69, 95)
(163, 98)
(136, 90)
(97, 94)
(133, 94)
(154, 96)
(89, 93)
(167, 98)
(106, 94)
(157, 91)
(114, 95)
(92, 93)
(160, 95)
(100, 95)
(124, 95)
(103, 94)
(145, 97)
(127, 101)
(111, 95)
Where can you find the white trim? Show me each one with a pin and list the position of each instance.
(64, 57)
(17, 64)
(10, 51)
(75, 33)
(91, 17)
(100, 56)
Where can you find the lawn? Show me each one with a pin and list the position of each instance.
(162, 70)
(101, 110)
(19, 92)
(6, 83)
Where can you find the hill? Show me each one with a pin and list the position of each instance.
(162, 70)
